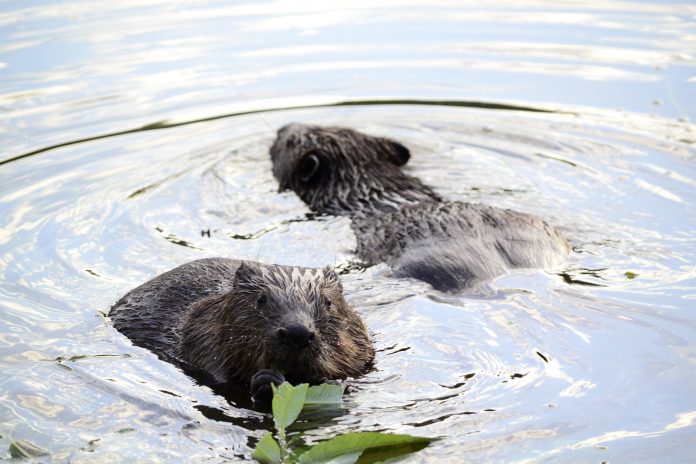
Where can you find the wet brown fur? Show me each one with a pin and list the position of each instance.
(401, 221)
(222, 316)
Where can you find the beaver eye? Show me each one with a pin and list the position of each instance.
(308, 169)
(327, 301)
(260, 299)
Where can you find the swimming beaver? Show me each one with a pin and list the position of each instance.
(246, 322)
(399, 220)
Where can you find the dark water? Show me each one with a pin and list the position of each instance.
(590, 362)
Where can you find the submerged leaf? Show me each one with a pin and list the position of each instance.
(267, 450)
(325, 394)
(23, 449)
(385, 453)
(287, 403)
(357, 442)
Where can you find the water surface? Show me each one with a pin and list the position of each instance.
(592, 361)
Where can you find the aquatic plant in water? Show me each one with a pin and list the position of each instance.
(288, 402)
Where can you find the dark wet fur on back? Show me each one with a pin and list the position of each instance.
(227, 318)
(399, 220)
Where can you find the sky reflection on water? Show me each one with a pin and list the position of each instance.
(590, 362)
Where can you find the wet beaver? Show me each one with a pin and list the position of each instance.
(246, 322)
(399, 220)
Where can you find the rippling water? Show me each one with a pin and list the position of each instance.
(593, 361)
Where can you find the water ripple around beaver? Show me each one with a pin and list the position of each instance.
(541, 364)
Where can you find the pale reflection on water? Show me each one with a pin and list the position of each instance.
(80, 68)
(593, 361)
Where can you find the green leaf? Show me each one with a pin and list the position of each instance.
(630, 275)
(267, 450)
(352, 443)
(345, 458)
(385, 453)
(325, 394)
(287, 404)
(24, 449)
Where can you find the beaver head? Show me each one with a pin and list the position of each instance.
(340, 171)
(292, 319)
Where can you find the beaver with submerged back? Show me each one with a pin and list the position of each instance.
(246, 322)
(399, 220)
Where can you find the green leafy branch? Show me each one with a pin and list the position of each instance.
(288, 402)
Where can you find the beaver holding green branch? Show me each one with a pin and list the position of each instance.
(248, 323)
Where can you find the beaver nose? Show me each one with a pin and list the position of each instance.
(297, 336)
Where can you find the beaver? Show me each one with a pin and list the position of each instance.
(248, 323)
(401, 221)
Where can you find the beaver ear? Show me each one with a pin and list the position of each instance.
(396, 153)
(247, 272)
(332, 278)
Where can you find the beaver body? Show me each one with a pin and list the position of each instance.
(399, 220)
(248, 323)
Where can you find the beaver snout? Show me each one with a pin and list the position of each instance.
(296, 336)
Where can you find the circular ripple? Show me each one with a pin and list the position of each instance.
(529, 355)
